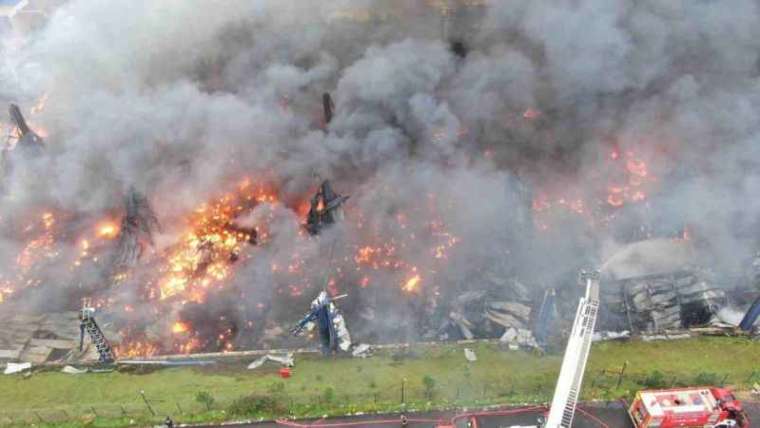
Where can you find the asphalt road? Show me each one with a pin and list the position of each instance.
(613, 416)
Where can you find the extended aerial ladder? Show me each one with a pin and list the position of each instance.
(87, 323)
(576, 355)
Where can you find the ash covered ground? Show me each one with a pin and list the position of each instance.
(490, 150)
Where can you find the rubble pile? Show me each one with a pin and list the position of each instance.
(516, 338)
(44, 338)
(482, 314)
(660, 302)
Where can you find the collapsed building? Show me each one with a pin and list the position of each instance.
(649, 286)
(426, 138)
(653, 303)
(657, 285)
(510, 313)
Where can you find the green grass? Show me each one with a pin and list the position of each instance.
(343, 385)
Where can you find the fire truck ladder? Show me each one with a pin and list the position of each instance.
(88, 324)
(576, 355)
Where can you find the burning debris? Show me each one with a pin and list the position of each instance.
(27, 139)
(213, 243)
(326, 208)
(138, 225)
(484, 163)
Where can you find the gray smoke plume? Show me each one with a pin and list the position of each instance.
(565, 130)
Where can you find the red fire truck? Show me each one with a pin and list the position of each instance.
(687, 407)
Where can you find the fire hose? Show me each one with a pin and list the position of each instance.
(453, 420)
(352, 424)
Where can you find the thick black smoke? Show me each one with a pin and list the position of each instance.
(548, 100)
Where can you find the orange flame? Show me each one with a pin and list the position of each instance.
(411, 284)
(136, 349)
(180, 327)
(206, 250)
(107, 230)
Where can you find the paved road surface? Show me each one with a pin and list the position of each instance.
(612, 416)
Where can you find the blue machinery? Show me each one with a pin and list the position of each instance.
(751, 316)
(329, 323)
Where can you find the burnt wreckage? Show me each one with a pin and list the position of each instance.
(640, 293)
(138, 224)
(326, 208)
(328, 107)
(512, 315)
(656, 285)
(660, 302)
(28, 144)
(330, 325)
(28, 140)
(637, 294)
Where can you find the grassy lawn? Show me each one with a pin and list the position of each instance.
(436, 376)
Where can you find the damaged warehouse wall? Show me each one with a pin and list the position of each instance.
(554, 135)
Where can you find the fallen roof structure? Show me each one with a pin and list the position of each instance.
(39, 339)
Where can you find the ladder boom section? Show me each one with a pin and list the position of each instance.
(576, 355)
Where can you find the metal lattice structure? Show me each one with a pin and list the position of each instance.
(88, 324)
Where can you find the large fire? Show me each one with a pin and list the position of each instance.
(625, 180)
(464, 163)
(218, 237)
(206, 251)
(212, 244)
